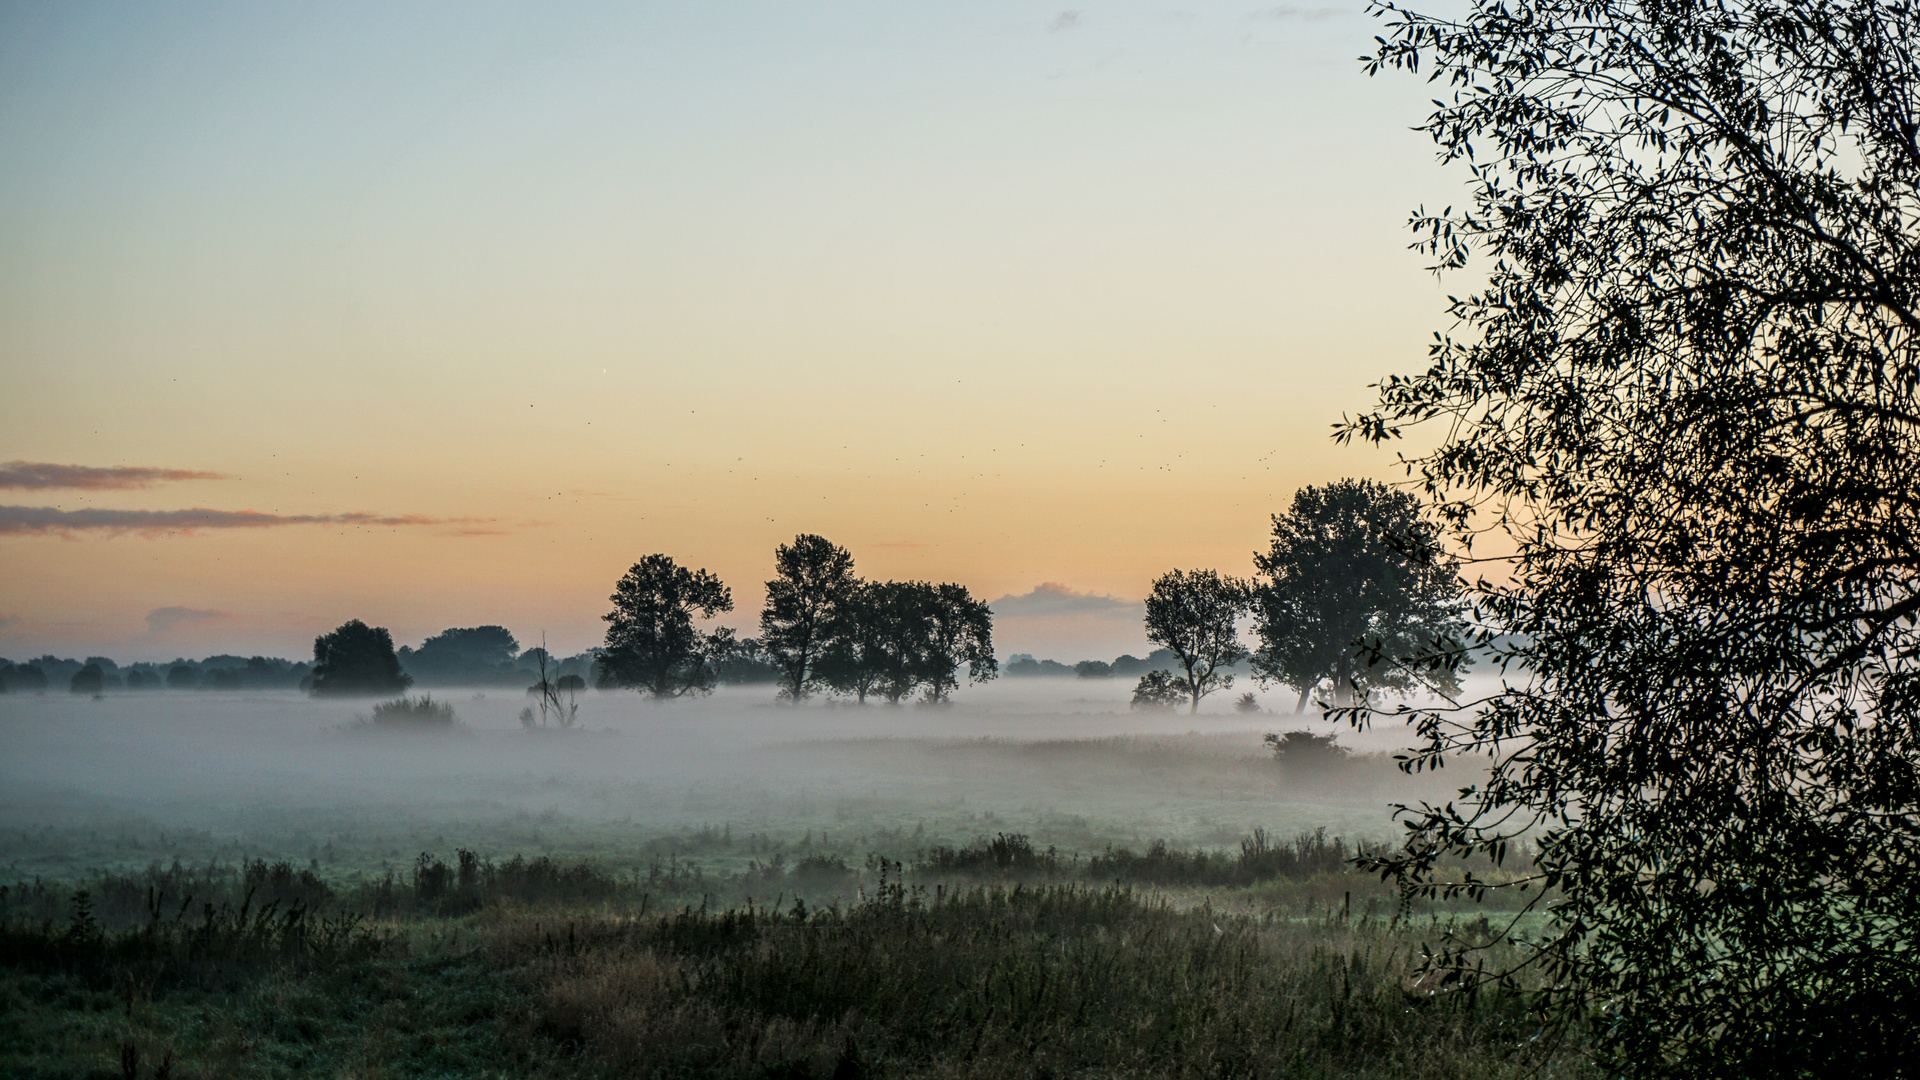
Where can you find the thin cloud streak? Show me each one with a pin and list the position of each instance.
(43, 475)
(47, 520)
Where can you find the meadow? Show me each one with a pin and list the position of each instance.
(1032, 882)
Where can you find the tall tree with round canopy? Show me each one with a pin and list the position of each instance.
(652, 644)
(1356, 597)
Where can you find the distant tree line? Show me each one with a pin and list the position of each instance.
(1352, 599)
(1023, 665)
(100, 674)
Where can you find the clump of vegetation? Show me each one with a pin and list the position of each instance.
(1158, 691)
(1005, 855)
(1305, 752)
(410, 714)
(471, 883)
(1259, 859)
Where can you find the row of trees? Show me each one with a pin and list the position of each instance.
(823, 629)
(100, 674)
(1353, 598)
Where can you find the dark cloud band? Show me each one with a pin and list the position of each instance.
(30, 520)
(41, 475)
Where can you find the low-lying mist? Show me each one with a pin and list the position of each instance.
(130, 780)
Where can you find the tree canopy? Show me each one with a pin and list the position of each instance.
(1195, 615)
(1687, 400)
(812, 578)
(357, 659)
(460, 655)
(1355, 596)
(959, 633)
(652, 644)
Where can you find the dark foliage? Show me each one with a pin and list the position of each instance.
(812, 577)
(1356, 597)
(1688, 400)
(88, 680)
(357, 659)
(959, 634)
(470, 883)
(1259, 859)
(652, 645)
(412, 714)
(1158, 690)
(1006, 854)
(1304, 753)
(469, 656)
(1193, 614)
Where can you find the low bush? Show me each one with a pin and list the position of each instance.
(411, 714)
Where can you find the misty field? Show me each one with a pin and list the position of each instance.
(1033, 882)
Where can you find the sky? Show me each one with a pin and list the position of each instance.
(445, 314)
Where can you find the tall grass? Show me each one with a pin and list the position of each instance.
(182, 943)
(1005, 982)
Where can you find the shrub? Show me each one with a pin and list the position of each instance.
(412, 714)
(1305, 751)
(1158, 690)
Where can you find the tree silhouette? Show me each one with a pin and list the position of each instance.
(1194, 614)
(958, 631)
(463, 655)
(356, 659)
(90, 679)
(877, 640)
(812, 578)
(1686, 404)
(652, 644)
(1357, 597)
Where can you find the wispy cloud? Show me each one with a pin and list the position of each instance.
(1066, 20)
(162, 619)
(40, 475)
(1289, 13)
(1051, 598)
(32, 520)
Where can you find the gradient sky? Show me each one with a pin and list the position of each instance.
(496, 299)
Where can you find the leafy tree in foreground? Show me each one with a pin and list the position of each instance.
(812, 577)
(1195, 614)
(1688, 402)
(1356, 597)
(356, 659)
(652, 644)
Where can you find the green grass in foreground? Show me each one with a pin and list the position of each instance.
(1046, 981)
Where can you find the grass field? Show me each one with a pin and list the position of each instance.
(1027, 885)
